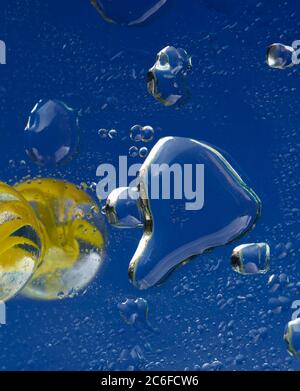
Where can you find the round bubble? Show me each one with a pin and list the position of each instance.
(280, 56)
(51, 133)
(112, 133)
(127, 12)
(102, 133)
(72, 228)
(143, 152)
(147, 134)
(136, 133)
(21, 243)
(133, 151)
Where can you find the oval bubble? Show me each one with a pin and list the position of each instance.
(52, 133)
(280, 56)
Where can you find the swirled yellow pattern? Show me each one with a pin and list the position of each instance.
(72, 230)
(20, 242)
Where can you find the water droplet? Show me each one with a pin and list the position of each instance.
(52, 133)
(167, 79)
(133, 151)
(252, 258)
(280, 56)
(143, 152)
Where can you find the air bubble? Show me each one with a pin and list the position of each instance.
(52, 133)
(280, 56)
(112, 133)
(136, 133)
(147, 134)
(133, 151)
(167, 79)
(252, 258)
(103, 133)
(143, 152)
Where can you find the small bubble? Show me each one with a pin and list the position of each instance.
(93, 186)
(136, 133)
(102, 133)
(112, 133)
(147, 134)
(143, 152)
(103, 210)
(280, 56)
(83, 186)
(133, 151)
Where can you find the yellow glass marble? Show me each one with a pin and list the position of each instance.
(72, 227)
(20, 242)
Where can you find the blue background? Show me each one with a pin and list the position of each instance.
(204, 312)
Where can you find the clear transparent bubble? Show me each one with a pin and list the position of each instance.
(112, 134)
(180, 220)
(21, 242)
(143, 152)
(136, 133)
(52, 133)
(73, 238)
(167, 79)
(103, 133)
(292, 337)
(121, 208)
(134, 310)
(280, 56)
(127, 12)
(133, 151)
(251, 258)
(147, 134)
